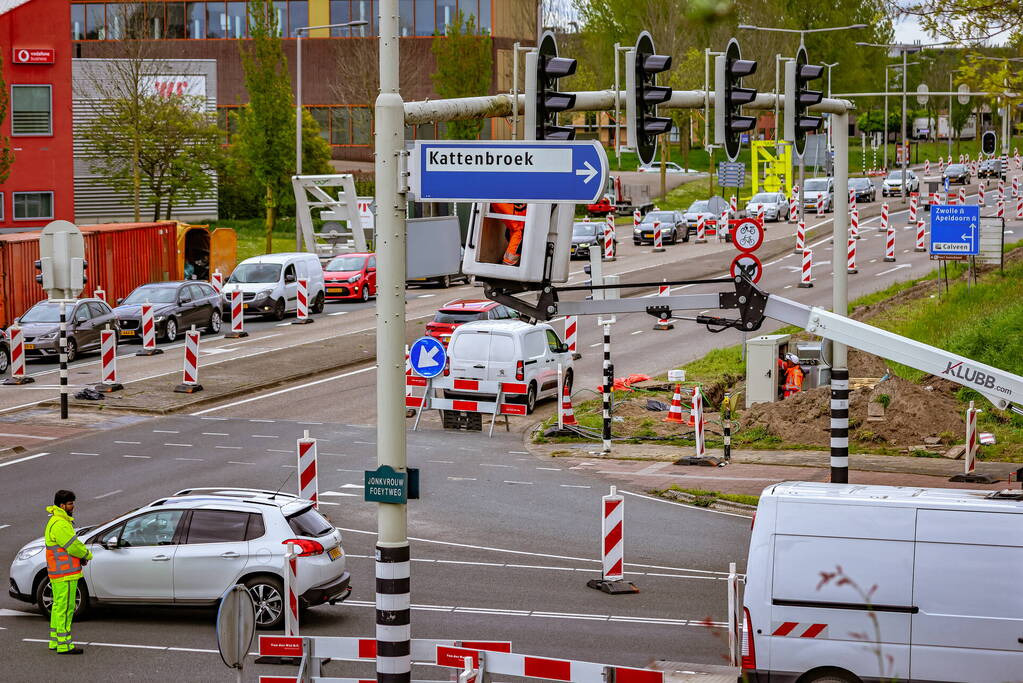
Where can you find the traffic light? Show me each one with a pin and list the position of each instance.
(78, 275)
(61, 263)
(45, 275)
(643, 95)
(543, 102)
(988, 142)
(799, 98)
(730, 97)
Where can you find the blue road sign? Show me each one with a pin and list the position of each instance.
(946, 183)
(427, 357)
(955, 230)
(731, 174)
(515, 171)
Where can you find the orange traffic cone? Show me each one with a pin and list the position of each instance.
(567, 415)
(675, 412)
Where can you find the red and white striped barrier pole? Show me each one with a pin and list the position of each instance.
(1015, 186)
(1000, 208)
(852, 199)
(800, 236)
(701, 229)
(571, 335)
(884, 218)
(971, 440)
(302, 309)
(854, 223)
(921, 236)
(148, 332)
(609, 238)
(658, 240)
(1019, 208)
(308, 481)
(889, 244)
(980, 194)
(237, 316)
(851, 266)
(16, 340)
(807, 271)
(1015, 155)
(701, 445)
(760, 216)
(108, 362)
(291, 598)
(217, 280)
(637, 218)
(612, 547)
(914, 197)
(100, 294)
(1001, 189)
(820, 205)
(733, 205)
(962, 195)
(927, 166)
(941, 164)
(190, 375)
(794, 205)
(663, 322)
(932, 199)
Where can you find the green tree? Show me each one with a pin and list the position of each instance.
(966, 20)
(464, 69)
(6, 155)
(266, 125)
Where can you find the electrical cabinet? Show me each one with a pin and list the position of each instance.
(762, 373)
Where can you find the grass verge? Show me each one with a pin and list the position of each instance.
(705, 498)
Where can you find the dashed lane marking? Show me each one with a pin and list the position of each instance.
(192, 459)
(81, 453)
(237, 462)
(166, 431)
(233, 448)
(339, 493)
(259, 420)
(490, 464)
(574, 486)
(518, 483)
(132, 443)
(461, 478)
(519, 452)
(107, 495)
(338, 313)
(215, 434)
(264, 436)
(593, 346)
(636, 332)
(140, 457)
(4, 526)
(179, 445)
(27, 457)
(444, 462)
(550, 469)
(277, 450)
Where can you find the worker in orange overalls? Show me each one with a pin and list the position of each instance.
(793, 375)
(513, 217)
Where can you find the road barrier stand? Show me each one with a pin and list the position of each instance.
(1019, 208)
(852, 199)
(148, 332)
(501, 664)
(675, 411)
(464, 413)
(190, 375)
(637, 218)
(290, 648)
(663, 321)
(889, 245)
(883, 227)
(760, 216)
(609, 238)
(794, 205)
(100, 294)
(571, 335)
(721, 227)
(237, 316)
(658, 237)
(612, 546)
(914, 198)
(16, 341)
(108, 362)
(854, 223)
(806, 279)
(800, 237)
(941, 164)
(1001, 190)
(566, 416)
(851, 266)
(308, 481)
(927, 166)
(302, 310)
(1015, 186)
(290, 581)
(969, 474)
(701, 229)
(921, 236)
(217, 280)
(733, 206)
(962, 195)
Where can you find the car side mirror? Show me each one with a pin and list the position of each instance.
(289, 278)
(112, 543)
(119, 300)
(563, 348)
(185, 300)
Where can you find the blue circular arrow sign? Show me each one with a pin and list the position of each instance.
(427, 357)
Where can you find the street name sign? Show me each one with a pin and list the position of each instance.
(427, 357)
(955, 230)
(386, 485)
(533, 171)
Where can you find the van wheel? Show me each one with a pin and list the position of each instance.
(531, 398)
(317, 306)
(829, 676)
(443, 281)
(278, 310)
(44, 598)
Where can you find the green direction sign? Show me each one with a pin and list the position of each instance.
(385, 485)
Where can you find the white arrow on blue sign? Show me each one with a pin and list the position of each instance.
(427, 357)
(537, 171)
(955, 230)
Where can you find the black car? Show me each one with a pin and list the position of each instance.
(865, 190)
(586, 234)
(957, 173)
(673, 226)
(176, 306)
(990, 168)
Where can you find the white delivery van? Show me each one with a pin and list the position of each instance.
(933, 590)
(510, 351)
(269, 284)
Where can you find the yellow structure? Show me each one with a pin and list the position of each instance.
(772, 167)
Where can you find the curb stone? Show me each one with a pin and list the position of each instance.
(717, 504)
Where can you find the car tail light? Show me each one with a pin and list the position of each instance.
(447, 366)
(753, 521)
(520, 371)
(306, 547)
(749, 650)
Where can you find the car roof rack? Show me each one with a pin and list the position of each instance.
(232, 491)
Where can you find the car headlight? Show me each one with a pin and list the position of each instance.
(583, 245)
(264, 294)
(47, 336)
(354, 278)
(159, 318)
(28, 553)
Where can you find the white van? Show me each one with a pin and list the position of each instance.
(510, 350)
(863, 583)
(269, 284)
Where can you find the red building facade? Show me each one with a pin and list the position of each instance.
(35, 39)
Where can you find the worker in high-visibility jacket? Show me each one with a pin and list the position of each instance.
(793, 375)
(65, 557)
(513, 218)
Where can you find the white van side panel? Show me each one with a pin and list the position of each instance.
(976, 528)
(842, 520)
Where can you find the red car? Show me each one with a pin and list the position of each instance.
(351, 276)
(460, 311)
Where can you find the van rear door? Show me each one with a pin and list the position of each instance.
(483, 354)
(966, 586)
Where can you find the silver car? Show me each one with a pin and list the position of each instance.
(187, 549)
(711, 209)
(86, 318)
(892, 185)
(774, 205)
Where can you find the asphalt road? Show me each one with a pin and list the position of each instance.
(503, 545)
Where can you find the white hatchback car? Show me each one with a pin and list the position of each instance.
(187, 549)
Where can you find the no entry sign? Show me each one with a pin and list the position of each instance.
(749, 266)
(747, 234)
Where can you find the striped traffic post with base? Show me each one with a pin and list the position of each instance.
(108, 362)
(606, 392)
(851, 266)
(1001, 189)
(701, 229)
(839, 426)
(962, 194)
(889, 245)
(609, 238)
(883, 227)
(658, 237)
(794, 205)
(1000, 213)
(969, 474)
(980, 195)
(927, 166)
(852, 199)
(820, 205)
(302, 310)
(854, 223)
(914, 198)
(308, 481)
(16, 340)
(571, 335)
(612, 547)
(637, 218)
(217, 280)
(1019, 208)
(63, 359)
(237, 316)
(190, 374)
(148, 332)
(921, 236)
(806, 279)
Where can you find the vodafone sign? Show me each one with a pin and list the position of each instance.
(31, 55)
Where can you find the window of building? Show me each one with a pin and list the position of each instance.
(77, 22)
(1, 206)
(424, 18)
(31, 109)
(485, 17)
(195, 13)
(446, 11)
(236, 20)
(115, 22)
(281, 14)
(216, 20)
(471, 9)
(175, 20)
(156, 20)
(340, 13)
(341, 126)
(364, 10)
(298, 16)
(322, 117)
(362, 126)
(32, 205)
(406, 18)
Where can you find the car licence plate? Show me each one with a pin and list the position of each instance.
(334, 553)
(649, 235)
(128, 333)
(334, 290)
(30, 347)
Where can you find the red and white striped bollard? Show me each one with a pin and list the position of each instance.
(190, 374)
(217, 281)
(970, 458)
(852, 199)
(927, 166)
(148, 331)
(806, 278)
(913, 199)
(889, 244)
(701, 229)
(1001, 189)
(820, 205)
(302, 308)
(921, 236)
(658, 238)
(100, 294)
(1001, 208)
(308, 481)
(980, 194)
(571, 334)
(962, 195)
(612, 546)
(1019, 208)
(1015, 186)
(701, 445)
(16, 341)
(800, 236)
(237, 316)
(854, 223)
(290, 596)
(609, 238)
(637, 218)
(851, 265)
(108, 362)
(794, 205)
(733, 205)
(884, 219)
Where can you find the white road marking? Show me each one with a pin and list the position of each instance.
(277, 450)
(179, 445)
(105, 495)
(133, 443)
(236, 462)
(141, 457)
(593, 346)
(255, 420)
(282, 391)
(461, 478)
(194, 459)
(636, 332)
(691, 507)
(232, 448)
(309, 423)
(574, 486)
(27, 457)
(787, 287)
(80, 453)
(338, 313)
(489, 464)
(338, 493)
(550, 469)
(352, 486)
(215, 434)
(222, 419)
(445, 462)
(19, 613)
(4, 526)
(521, 483)
(519, 452)
(30, 436)
(264, 436)
(166, 431)
(339, 469)
(425, 296)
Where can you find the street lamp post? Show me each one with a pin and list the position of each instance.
(298, 99)
(891, 66)
(828, 122)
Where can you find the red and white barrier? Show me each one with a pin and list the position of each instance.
(308, 480)
(927, 166)
(1019, 208)
(805, 280)
(1001, 189)
(701, 445)
(1015, 186)
(237, 316)
(148, 332)
(1015, 155)
(291, 598)
(563, 670)
(820, 205)
(889, 244)
(495, 407)
(100, 294)
(851, 266)
(962, 195)
(800, 236)
(914, 197)
(941, 164)
(658, 237)
(1000, 211)
(571, 334)
(217, 281)
(108, 362)
(971, 439)
(637, 218)
(921, 236)
(190, 373)
(854, 223)
(852, 199)
(612, 547)
(16, 341)
(609, 238)
(883, 226)
(794, 205)
(302, 308)
(733, 205)
(701, 229)
(980, 194)
(675, 410)
(663, 322)
(566, 415)
(760, 215)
